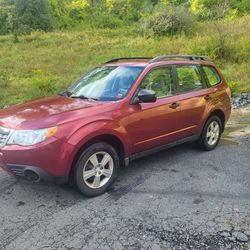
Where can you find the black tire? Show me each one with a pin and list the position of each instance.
(203, 141)
(84, 160)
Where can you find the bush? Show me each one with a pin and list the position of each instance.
(106, 20)
(23, 29)
(60, 14)
(234, 88)
(218, 40)
(130, 11)
(242, 6)
(172, 21)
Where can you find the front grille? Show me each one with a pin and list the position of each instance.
(4, 134)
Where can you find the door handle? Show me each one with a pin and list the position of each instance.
(174, 105)
(207, 97)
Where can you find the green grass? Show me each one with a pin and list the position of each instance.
(45, 63)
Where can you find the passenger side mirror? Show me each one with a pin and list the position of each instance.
(145, 95)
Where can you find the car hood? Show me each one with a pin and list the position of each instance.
(46, 112)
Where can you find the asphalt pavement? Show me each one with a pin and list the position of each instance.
(180, 198)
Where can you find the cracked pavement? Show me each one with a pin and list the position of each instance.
(180, 198)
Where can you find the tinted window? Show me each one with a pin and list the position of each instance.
(211, 75)
(159, 80)
(189, 78)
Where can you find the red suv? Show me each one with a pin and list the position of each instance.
(122, 110)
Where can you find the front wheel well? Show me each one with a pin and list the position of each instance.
(221, 115)
(110, 139)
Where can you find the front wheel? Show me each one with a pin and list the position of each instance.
(211, 134)
(96, 169)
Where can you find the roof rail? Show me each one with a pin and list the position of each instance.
(189, 57)
(127, 58)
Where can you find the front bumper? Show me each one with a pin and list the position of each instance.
(31, 173)
(49, 161)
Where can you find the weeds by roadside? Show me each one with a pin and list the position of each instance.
(44, 63)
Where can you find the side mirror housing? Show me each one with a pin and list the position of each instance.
(145, 95)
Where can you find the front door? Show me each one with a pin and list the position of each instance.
(155, 124)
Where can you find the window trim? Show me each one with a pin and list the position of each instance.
(152, 69)
(206, 78)
(198, 66)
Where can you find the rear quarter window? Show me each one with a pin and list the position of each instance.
(211, 76)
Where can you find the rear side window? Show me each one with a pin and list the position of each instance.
(189, 78)
(159, 80)
(211, 75)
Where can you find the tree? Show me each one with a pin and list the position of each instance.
(6, 17)
(78, 9)
(210, 9)
(130, 10)
(242, 6)
(32, 15)
(60, 13)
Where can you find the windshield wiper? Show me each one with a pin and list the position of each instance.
(65, 93)
(83, 97)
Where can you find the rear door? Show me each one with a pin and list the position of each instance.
(193, 98)
(158, 123)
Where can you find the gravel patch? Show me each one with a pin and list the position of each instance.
(241, 100)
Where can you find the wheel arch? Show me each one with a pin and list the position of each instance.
(111, 139)
(220, 114)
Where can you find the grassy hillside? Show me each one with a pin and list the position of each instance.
(44, 63)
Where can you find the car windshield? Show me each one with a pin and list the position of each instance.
(108, 83)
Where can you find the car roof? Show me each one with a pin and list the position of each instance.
(129, 63)
(160, 60)
(170, 62)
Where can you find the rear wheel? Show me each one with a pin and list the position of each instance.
(96, 169)
(211, 133)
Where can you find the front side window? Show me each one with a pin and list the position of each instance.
(189, 78)
(108, 83)
(159, 80)
(211, 75)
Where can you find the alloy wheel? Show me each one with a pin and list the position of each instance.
(213, 133)
(98, 169)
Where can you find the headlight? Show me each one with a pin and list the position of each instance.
(30, 137)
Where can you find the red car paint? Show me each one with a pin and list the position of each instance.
(138, 127)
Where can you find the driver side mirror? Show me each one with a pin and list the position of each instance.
(145, 95)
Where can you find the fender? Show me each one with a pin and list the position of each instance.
(207, 114)
(100, 128)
